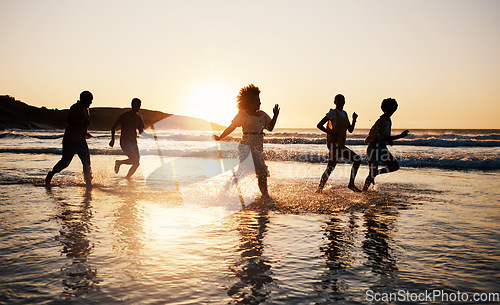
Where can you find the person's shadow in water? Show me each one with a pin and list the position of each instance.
(128, 231)
(79, 276)
(252, 270)
(376, 226)
(339, 240)
(380, 225)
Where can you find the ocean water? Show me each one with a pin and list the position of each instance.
(426, 234)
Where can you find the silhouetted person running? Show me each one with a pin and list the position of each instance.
(377, 140)
(336, 130)
(253, 122)
(74, 140)
(130, 122)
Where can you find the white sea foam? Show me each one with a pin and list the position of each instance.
(447, 149)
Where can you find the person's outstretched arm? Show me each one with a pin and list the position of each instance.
(276, 112)
(226, 132)
(390, 139)
(401, 135)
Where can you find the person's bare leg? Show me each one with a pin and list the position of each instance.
(326, 174)
(117, 166)
(132, 170)
(119, 163)
(354, 171)
(48, 178)
(263, 185)
(391, 166)
(371, 176)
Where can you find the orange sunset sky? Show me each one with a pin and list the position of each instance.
(439, 59)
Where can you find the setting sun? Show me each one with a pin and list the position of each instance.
(212, 101)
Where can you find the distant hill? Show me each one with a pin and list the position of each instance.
(15, 114)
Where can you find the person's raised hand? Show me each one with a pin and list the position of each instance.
(276, 110)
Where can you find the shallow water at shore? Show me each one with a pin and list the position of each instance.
(121, 241)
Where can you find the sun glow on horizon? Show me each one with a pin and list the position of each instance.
(211, 101)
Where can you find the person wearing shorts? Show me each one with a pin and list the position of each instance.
(130, 122)
(336, 130)
(378, 139)
(253, 121)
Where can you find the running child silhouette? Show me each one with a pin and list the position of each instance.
(337, 127)
(253, 122)
(377, 140)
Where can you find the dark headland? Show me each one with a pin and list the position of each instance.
(15, 114)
